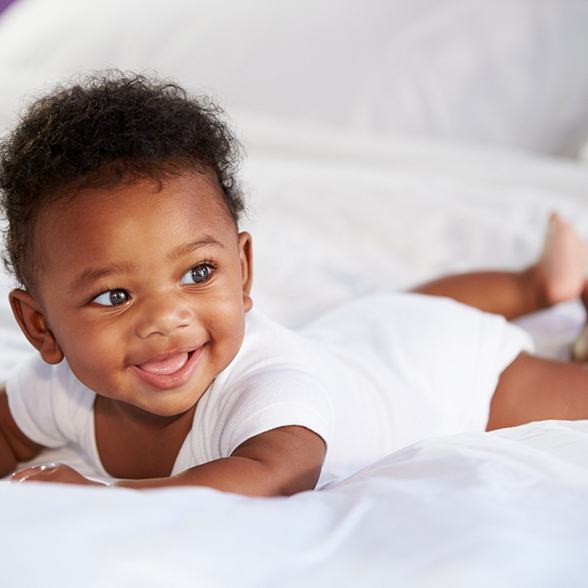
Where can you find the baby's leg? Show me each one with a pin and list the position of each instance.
(536, 389)
(557, 276)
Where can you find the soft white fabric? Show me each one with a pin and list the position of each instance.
(352, 217)
(507, 73)
(369, 378)
(480, 510)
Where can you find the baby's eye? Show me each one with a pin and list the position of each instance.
(198, 274)
(112, 298)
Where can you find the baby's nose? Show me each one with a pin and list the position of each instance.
(163, 316)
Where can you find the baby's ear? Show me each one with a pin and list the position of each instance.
(246, 256)
(31, 319)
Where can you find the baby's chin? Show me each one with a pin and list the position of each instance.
(170, 412)
(164, 410)
(151, 410)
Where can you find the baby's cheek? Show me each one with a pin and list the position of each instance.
(96, 362)
(227, 337)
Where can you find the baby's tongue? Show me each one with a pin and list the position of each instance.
(169, 365)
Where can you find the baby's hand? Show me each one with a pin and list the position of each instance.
(52, 472)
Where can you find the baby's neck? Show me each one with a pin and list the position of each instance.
(135, 444)
(133, 416)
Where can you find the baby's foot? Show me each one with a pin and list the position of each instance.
(560, 270)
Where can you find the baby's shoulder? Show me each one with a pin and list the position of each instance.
(49, 403)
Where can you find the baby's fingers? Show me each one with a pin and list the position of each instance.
(51, 472)
(36, 473)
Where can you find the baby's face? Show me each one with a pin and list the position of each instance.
(145, 289)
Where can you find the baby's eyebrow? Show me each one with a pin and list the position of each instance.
(91, 275)
(204, 241)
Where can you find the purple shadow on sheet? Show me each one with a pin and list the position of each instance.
(5, 4)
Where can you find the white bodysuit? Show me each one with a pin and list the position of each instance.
(369, 377)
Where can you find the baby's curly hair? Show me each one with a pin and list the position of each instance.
(104, 129)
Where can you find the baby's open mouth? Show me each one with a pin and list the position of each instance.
(169, 371)
(168, 365)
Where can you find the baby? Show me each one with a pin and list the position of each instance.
(135, 285)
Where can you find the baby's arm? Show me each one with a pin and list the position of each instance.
(279, 462)
(14, 445)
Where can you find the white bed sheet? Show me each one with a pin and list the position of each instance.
(332, 219)
(484, 510)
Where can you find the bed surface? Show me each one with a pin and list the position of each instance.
(484, 510)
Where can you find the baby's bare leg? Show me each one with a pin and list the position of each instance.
(557, 276)
(511, 294)
(536, 389)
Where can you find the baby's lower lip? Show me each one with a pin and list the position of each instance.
(168, 373)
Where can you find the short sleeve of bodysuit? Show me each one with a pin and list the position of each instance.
(48, 403)
(270, 399)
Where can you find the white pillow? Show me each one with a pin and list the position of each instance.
(509, 72)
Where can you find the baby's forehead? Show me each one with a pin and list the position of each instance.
(109, 193)
(158, 209)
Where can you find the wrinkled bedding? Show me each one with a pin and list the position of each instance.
(484, 510)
